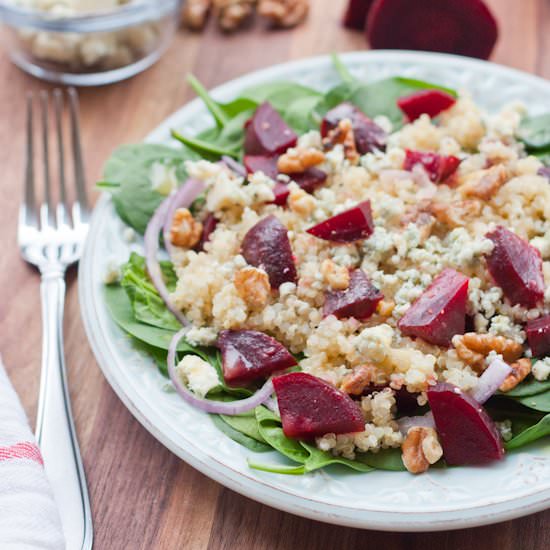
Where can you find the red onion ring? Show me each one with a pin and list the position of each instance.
(182, 198)
(185, 195)
(491, 380)
(407, 422)
(206, 405)
(235, 166)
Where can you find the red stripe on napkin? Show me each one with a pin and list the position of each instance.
(24, 450)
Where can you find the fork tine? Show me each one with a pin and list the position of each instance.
(82, 200)
(46, 210)
(30, 203)
(58, 110)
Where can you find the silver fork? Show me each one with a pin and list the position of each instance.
(51, 237)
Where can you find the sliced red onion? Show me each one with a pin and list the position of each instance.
(407, 422)
(206, 405)
(182, 198)
(491, 380)
(235, 166)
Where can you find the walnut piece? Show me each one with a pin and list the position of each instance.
(231, 14)
(253, 286)
(195, 13)
(335, 275)
(484, 183)
(299, 159)
(185, 231)
(343, 134)
(284, 13)
(420, 449)
(301, 202)
(473, 348)
(520, 369)
(456, 213)
(356, 381)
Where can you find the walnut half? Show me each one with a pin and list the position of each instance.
(520, 369)
(420, 449)
(284, 13)
(195, 13)
(185, 231)
(253, 287)
(299, 159)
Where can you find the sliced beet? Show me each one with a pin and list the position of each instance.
(281, 192)
(262, 163)
(248, 355)
(463, 27)
(266, 133)
(346, 227)
(208, 227)
(311, 407)
(359, 300)
(538, 336)
(368, 135)
(516, 267)
(355, 16)
(310, 179)
(266, 245)
(440, 312)
(430, 102)
(438, 167)
(405, 401)
(467, 433)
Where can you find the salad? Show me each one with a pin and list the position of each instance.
(357, 277)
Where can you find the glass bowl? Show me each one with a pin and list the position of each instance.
(89, 49)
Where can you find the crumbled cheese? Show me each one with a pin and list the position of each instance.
(541, 369)
(112, 272)
(502, 325)
(197, 374)
(505, 429)
(129, 235)
(163, 178)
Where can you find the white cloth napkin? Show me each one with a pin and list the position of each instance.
(29, 519)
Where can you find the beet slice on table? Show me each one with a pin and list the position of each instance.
(516, 267)
(355, 16)
(311, 407)
(430, 102)
(440, 312)
(266, 246)
(368, 135)
(359, 300)
(438, 167)
(346, 227)
(248, 355)
(538, 336)
(463, 27)
(467, 433)
(266, 133)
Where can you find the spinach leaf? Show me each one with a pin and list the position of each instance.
(223, 391)
(277, 468)
(208, 149)
(216, 111)
(246, 423)
(538, 402)
(158, 355)
(531, 386)
(531, 434)
(535, 132)
(239, 436)
(319, 459)
(341, 69)
(385, 459)
(148, 306)
(280, 94)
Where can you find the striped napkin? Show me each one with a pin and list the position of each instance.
(29, 519)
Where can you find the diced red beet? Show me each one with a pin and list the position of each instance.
(310, 179)
(405, 401)
(430, 102)
(440, 312)
(463, 27)
(266, 245)
(311, 407)
(346, 227)
(516, 267)
(281, 192)
(208, 227)
(467, 433)
(248, 355)
(438, 167)
(262, 163)
(368, 135)
(359, 300)
(355, 16)
(538, 336)
(266, 133)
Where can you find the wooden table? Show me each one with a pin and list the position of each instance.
(143, 497)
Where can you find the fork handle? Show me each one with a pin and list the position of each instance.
(55, 431)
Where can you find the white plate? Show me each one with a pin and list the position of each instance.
(396, 501)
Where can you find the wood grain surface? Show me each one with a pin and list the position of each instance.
(143, 497)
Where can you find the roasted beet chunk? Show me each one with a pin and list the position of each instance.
(311, 407)
(438, 167)
(208, 227)
(309, 179)
(440, 312)
(346, 227)
(368, 135)
(248, 355)
(355, 16)
(262, 163)
(463, 27)
(431, 102)
(359, 300)
(516, 267)
(266, 245)
(538, 336)
(467, 433)
(266, 133)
